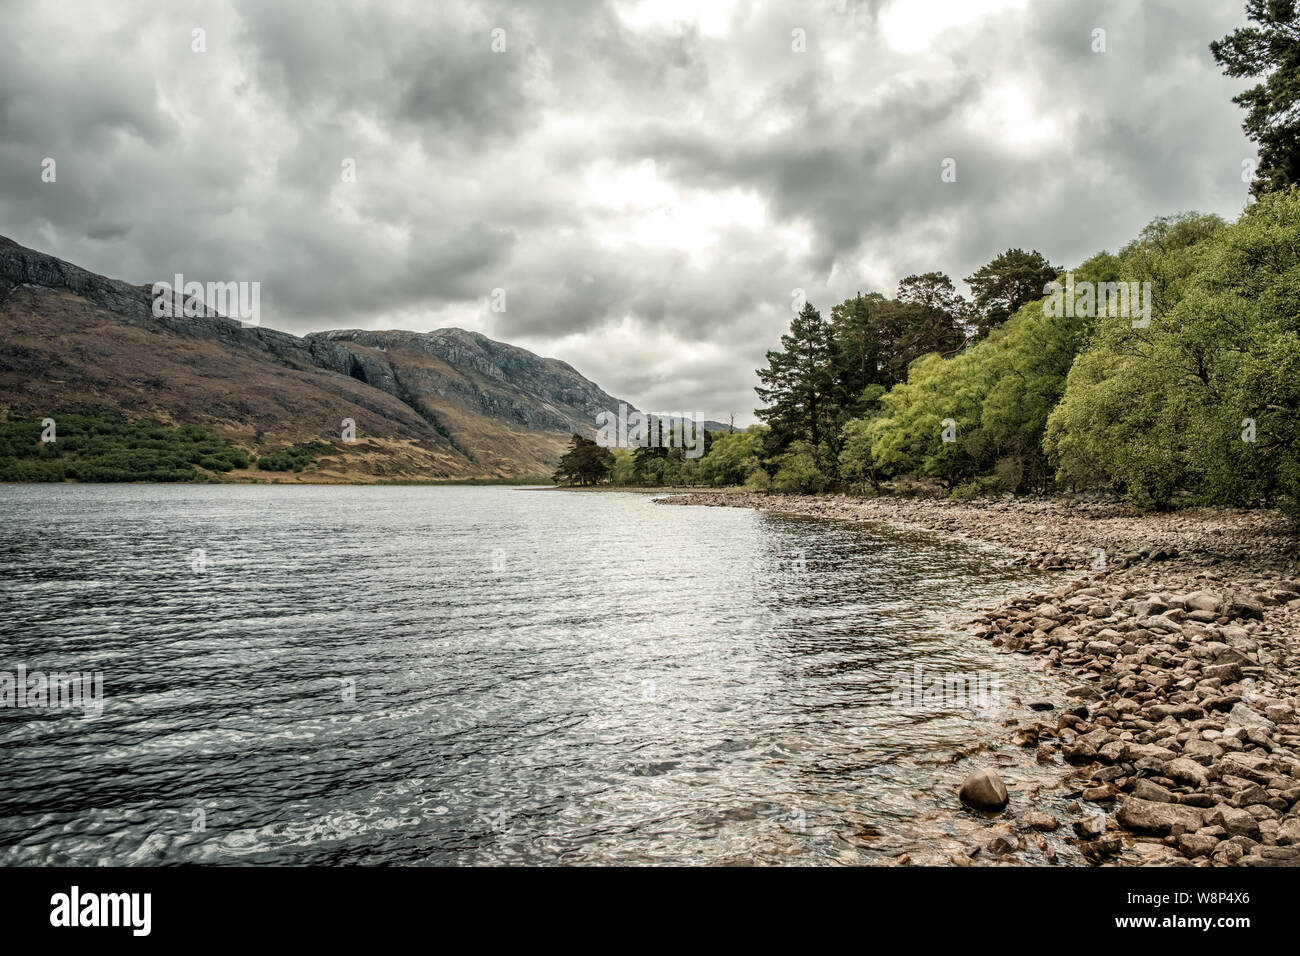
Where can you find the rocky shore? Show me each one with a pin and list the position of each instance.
(1177, 637)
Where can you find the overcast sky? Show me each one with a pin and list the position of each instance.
(647, 181)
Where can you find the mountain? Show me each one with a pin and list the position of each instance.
(441, 404)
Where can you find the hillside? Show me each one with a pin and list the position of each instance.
(442, 404)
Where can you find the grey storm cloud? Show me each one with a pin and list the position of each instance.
(647, 181)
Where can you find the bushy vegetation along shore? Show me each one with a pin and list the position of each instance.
(99, 446)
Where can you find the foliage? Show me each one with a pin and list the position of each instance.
(100, 447)
(1002, 287)
(585, 463)
(799, 386)
(732, 458)
(294, 458)
(1205, 403)
(798, 472)
(1271, 51)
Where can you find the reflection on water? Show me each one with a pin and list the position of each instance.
(317, 675)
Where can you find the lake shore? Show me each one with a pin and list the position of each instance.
(1178, 637)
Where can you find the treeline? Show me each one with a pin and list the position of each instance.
(728, 459)
(1185, 391)
(1196, 400)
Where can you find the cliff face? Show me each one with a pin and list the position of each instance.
(442, 404)
(431, 369)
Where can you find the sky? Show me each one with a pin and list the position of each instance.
(637, 188)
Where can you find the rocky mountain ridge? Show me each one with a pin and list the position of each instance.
(442, 404)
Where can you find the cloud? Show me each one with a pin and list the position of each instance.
(648, 182)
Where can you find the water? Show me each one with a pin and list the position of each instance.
(477, 675)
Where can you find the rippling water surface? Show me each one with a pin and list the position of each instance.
(432, 675)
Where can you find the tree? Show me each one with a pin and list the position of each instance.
(931, 317)
(585, 463)
(1010, 281)
(798, 471)
(863, 342)
(1204, 404)
(799, 387)
(732, 458)
(1270, 51)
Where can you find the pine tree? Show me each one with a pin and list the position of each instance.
(585, 463)
(1270, 51)
(799, 388)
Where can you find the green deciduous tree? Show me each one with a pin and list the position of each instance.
(1204, 403)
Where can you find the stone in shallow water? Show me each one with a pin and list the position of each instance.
(1041, 821)
(984, 790)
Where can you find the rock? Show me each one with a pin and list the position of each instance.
(1100, 794)
(984, 790)
(1202, 748)
(1224, 672)
(1251, 767)
(1228, 854)
(1041, 821)
(1146, 790)
(1041, 705)
(1188, 771)
(1196, 844)
(1243, 716)
(1252, 795)
(1280, 713)
(1161, 623)
(1100, 848)
(1177, 711)
(1235, 822)
(1002, 844)
(1152, 605)
(1201, 601)
(1093, 825)
(1243, 606)
(1272, 856)
(1148, 816)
